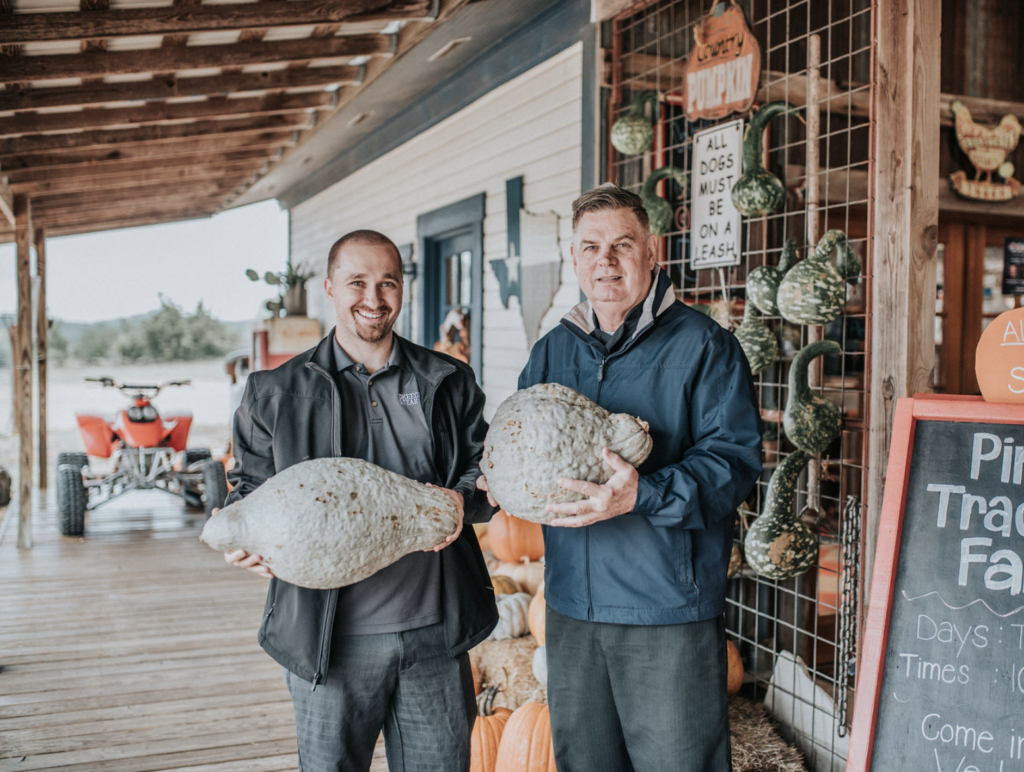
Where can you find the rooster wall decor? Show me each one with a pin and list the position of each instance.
(987, 148)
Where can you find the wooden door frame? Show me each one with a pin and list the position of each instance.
(466, 216)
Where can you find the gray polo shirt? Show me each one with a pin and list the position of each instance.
(384, 424)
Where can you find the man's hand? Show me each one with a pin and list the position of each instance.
(616, 497)
(459, 504)
(243, 559)
(481, 484)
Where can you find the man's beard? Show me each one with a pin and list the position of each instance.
(375, 331)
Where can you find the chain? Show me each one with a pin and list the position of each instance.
(850, 583)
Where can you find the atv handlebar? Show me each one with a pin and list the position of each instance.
(140, 389)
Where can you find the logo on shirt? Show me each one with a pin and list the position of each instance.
(409, 399)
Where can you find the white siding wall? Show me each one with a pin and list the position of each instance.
(530, 126)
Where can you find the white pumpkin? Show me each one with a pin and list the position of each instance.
(513, 616)
(529, 574)
(540, 665)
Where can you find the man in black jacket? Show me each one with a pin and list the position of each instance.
(390, 651)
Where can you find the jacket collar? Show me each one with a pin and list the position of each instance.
(423, 362)
(659, 299)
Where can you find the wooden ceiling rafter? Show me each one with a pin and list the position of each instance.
(130, 131)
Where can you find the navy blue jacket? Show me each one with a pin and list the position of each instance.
(666, 561)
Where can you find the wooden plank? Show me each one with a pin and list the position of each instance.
(983, 111)
(151, 134)
(181, 210)
(23, 367)
(41, 349)
(949, 201)
(105, 63)
(186, 19)
(238, 170)
(6, 200)
(97, 156)
(147, 194)
(161, 112)
(905, 225)
(166, 86)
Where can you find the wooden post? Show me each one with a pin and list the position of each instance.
(23, 367)
(41, 330)
(905, 213)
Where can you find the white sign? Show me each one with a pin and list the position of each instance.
(714, 221)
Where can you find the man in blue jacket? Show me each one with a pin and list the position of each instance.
(636, 571)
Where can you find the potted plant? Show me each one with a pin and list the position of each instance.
(291, 284)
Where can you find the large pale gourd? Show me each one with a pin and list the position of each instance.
(331, 522)
(549, 431)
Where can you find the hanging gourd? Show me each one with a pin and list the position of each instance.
(659, 211)
(811, 421)
(763, 282)
(487, 730)
(758, 191)
(632, 134)
(778, 545)
(759, 344)
(814, 291)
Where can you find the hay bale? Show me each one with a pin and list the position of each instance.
(509, 664)
(757, 745)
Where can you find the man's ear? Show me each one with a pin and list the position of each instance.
(572, 254)
(652, 250)
(329, 288)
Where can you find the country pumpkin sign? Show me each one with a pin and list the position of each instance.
(1000, 358)
(724, 66)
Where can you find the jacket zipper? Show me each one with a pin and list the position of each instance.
(336, 447)
(586, 541)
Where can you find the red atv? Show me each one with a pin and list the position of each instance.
(148, 452)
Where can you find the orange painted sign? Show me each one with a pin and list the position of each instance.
(724, 66)
(1000, 358)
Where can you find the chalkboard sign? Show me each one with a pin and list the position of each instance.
(941, 683)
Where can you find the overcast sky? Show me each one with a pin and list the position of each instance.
(110, 275)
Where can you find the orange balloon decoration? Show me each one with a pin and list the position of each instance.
(487, 732)
(999, 362)
(526, 743)
(513, 539)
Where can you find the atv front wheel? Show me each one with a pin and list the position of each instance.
(215, 485)
(72, 498)
(196, 454)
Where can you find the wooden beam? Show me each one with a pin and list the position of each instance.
(6, 201)
(160, 150)
(139, 195)
(103, 63)
(152, 134)
(116, 169)
(983, 111)
(239, 171)
(168, 86)
(23, 367)
(162, 112)
(41, 349)
(188, 19)
(905, 224)
(164, 218)
(60, 223)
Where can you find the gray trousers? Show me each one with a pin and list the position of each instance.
(405, 683)
(638, 698)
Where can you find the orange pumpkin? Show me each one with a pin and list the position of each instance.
(504, 585)
(529, 574)
(482, 536)
(513, 539)
(536, 615)
(526, 743)
(735, 668)
(487, 732)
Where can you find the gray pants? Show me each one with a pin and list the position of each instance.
(638, 698)
(405, 683)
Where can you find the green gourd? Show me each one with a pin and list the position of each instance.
(763, 282)
(814, 291)
(778, 544)
(811, 422)
(632, 134)
(659, 211)
(758, 191)
(759, 343)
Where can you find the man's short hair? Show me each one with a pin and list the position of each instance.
(609, 196)
(361, 237)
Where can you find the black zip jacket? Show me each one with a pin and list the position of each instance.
(294, 413)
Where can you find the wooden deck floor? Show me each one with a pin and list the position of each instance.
(134, 650)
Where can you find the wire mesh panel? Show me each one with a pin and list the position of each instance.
(797, 636)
